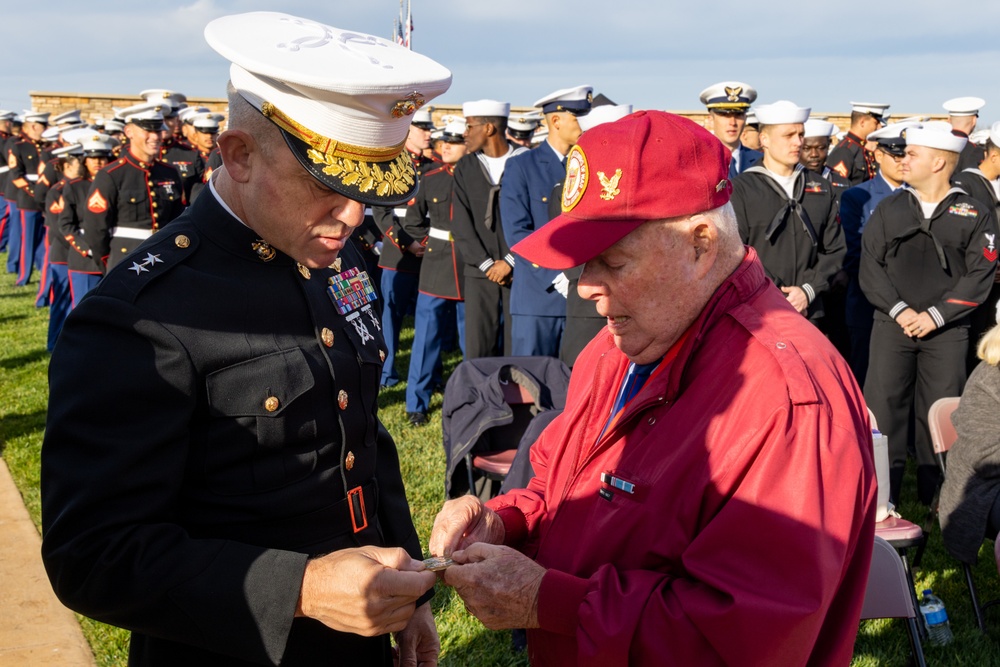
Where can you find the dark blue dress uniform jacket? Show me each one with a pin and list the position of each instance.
(524, 206)
(209, 415)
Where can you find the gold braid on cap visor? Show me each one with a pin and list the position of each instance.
(355, 166)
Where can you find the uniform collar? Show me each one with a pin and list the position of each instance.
(219, 223)
(133, 160)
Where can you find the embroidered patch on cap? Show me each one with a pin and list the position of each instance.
(577, 177)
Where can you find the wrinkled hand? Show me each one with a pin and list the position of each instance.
(417, 644)
(797, 297)
(498, 585)
(463, 522)
(500, 272)
(367, 591)
(920, 326)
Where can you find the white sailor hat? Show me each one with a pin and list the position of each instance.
(728, 96)
(187, 112)
(980, 137)
(422, 118)
(817, 127)
(781, 112)
(147, 115)
(606, 113)
(67, 118)
(934, 134)
(876, 109)
(964, 106)
(995, 133)
(342, 99)
(524, 123)
(892, 137)
(207, 123)
(174, 100)
(486, 109)
(31, 116)
(6, 115)
(454, 131)
(577, 100)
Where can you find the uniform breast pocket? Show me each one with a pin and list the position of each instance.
(262, 423)
(136, 202)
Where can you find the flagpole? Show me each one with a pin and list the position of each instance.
(409, 24)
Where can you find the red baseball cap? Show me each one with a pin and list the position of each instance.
(650, 165)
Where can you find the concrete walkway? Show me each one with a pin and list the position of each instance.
(35, 629)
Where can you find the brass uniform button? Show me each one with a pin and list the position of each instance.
(271, 403)
(327, 336)
(182, 241)
(381, 355)
(154, 204)
(304, 270)
(342, 399)
(349, 461)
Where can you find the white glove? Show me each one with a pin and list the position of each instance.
(561, 283)
(377, 248)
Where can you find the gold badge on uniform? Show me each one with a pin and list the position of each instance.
(304, 270)
(349, 461)
(263, 250)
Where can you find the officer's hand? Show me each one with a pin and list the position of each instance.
(920, 326)
(498, 585)
(416, 249)
(367, 591)
(797, 297)
(417, 645)
(462, 522)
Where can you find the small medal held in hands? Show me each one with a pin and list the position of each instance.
(436, 563)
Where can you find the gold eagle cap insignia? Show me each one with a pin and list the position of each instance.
(610, 185)
(734, 93)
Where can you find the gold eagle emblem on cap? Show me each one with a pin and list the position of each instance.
(408, 105)
(734, 93)
(610, 185)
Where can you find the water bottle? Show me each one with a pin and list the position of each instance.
(935, 619)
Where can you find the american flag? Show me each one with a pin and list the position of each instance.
(403, 26)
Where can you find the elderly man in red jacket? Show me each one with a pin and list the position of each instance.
(708, 495)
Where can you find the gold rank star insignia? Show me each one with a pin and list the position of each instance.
(610, 185)
(304, 270)
(263, 250)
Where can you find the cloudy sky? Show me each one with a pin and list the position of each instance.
(652, 54)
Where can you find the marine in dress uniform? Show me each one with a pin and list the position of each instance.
(171, 104)
(928, 260)
(251, 459)
(963, 113)
(136, 195)
(399, 254)
(583, 322)
(85, 267)
(69, 161)
(850, 159)
(440, 311)
(478, 231)
(788, 213)
(728, 103)
(856, 207)
(537, 307)
(5, 135)
(815, 150)
(24, 161)
(205, 131)
(983, 183)
(182, 155)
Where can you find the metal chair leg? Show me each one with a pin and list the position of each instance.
(976, 609)
(915, 646)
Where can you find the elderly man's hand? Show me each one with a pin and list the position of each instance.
(797, 297)
(367, 591)
(498, 585)
(462, 522)
(417, 644)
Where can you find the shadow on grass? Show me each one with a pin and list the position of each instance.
(14, 426)
(24, 360)
(12, 318)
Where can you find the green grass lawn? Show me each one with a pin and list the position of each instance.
(464, 641)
